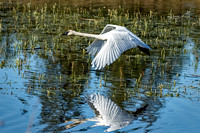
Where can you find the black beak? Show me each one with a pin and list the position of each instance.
(66, 33)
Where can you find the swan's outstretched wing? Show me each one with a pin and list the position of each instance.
(97, 44)
(117, 43)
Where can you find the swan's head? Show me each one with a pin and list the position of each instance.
(69, 33)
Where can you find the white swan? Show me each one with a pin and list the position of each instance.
(111, 43)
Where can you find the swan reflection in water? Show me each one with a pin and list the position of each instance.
(108, 113)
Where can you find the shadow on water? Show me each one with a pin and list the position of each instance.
(45, 76)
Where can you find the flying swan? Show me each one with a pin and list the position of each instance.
(110, 44)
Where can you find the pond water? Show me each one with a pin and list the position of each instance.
(45, 76)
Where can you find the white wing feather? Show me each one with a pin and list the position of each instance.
(117, 43)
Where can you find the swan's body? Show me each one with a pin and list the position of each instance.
(111, 43)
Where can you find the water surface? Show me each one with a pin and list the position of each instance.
(45, 76)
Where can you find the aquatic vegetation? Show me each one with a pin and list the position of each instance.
(57, 68)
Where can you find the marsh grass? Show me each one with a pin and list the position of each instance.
(37, 30)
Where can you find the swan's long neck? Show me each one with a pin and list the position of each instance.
(100, 37)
